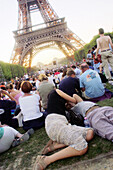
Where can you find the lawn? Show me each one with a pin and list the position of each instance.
(23, 157)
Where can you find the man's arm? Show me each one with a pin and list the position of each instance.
(98, 47)
(110, 41)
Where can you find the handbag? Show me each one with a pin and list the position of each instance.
(75, 118)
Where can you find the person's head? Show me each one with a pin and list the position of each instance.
(101, 31)
(73, 67)
(2, 86)
(42, 77)
(26, 86)
(84, 67)
(93, 48)
(70, 73)
(9, 87)
(89, 51)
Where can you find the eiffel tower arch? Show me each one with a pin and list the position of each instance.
(30, 39)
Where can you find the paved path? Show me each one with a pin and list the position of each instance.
(101, 162)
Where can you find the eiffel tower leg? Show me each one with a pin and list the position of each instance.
(31, 56)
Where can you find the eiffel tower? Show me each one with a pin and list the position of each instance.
(30, 39)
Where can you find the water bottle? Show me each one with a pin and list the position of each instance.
(12, 112)
(86, 122)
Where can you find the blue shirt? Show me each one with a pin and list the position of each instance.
(1, 132)
(91, 81)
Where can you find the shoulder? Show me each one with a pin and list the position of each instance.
(98, 39)
(7, 103)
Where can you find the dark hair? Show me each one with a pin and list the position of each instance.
(26, 86)
(64, 72)
(101, 31)
(73, 66)
(89, 51)
(95, 46)
(9, 86)
(70, 72)
(84, 65)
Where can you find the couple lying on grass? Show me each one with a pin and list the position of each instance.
(71, 137)
(61, 133)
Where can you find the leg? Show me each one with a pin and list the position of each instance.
(102, 122)
(111, 62)
(65, 153)
(43, 161)
(51, 146)
(105, 65)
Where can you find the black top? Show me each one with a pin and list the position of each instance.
(6, 117)
(70, 86)
(56, 104)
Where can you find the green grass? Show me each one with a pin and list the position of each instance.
(24, 155)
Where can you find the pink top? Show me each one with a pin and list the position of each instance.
(17, 97)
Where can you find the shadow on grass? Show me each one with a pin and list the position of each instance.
(23, 156)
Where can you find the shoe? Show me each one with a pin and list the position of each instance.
(30, 131)
(48, 149)
(110, 82)
(18, 141)
(104, 84)
(40, 164)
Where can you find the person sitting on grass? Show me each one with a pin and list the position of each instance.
(13, 92)
(30, 108)
(7, 106)
(90, 83)
(44, 89)
(9, 137)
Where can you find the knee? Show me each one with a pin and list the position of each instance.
(90, 135)
(82, 152)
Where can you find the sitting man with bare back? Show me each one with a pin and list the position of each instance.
(104, 43)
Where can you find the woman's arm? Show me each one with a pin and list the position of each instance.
(5, 92)
(67, 97)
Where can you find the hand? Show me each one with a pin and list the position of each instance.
(2, 91)
(3, 125)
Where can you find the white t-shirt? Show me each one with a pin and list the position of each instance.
(37, 83)
(29, 106)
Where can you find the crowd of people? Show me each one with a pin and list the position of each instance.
(40, 100)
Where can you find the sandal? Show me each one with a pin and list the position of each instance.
(18, 141)
(48, 149)
(40, 164)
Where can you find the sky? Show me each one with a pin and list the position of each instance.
(83, 17)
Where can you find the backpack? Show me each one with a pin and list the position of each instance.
(75, 118)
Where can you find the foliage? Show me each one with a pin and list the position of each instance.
(83, 51)
(12, 70)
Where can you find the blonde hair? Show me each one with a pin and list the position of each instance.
(42, 77)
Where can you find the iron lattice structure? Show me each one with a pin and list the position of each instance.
(29, 39)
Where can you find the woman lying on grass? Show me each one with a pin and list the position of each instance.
(63, 135)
